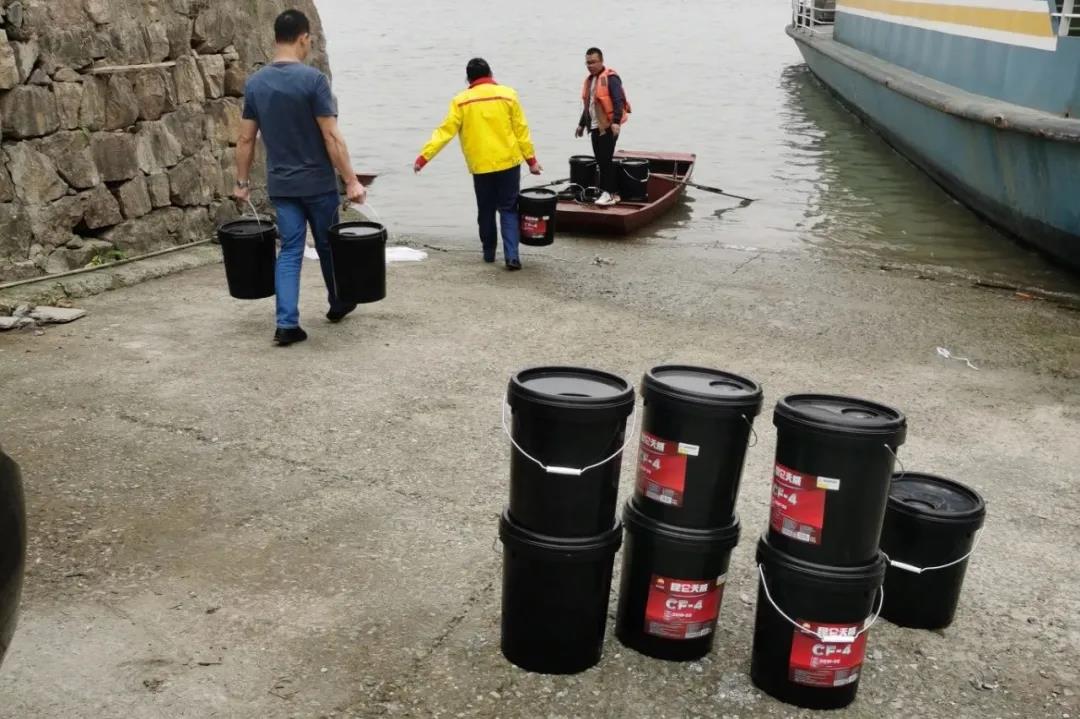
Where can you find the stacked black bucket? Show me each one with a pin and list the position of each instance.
(836, 505)
(681, 525)
(560, 534)
(820, 566)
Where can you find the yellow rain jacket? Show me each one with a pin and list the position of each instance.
(491, 124)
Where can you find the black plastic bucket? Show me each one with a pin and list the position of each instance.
(694, 434)
(555, 598)
(672, 585)
(358, 250)
(633, 179)
(834, 464)
(12, 548)
(583, 171)
(929, 533)
(249, 247)
(817, 666)
(536, 213)
(567, 419)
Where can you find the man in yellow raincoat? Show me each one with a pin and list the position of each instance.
(495, 140)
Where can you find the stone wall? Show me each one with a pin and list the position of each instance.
(101, 160)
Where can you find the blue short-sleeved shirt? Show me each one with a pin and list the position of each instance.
(285, 98)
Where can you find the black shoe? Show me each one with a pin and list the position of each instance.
(339, 315)
(287, 336)
(513, 265)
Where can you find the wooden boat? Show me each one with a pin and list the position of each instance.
(668, 174)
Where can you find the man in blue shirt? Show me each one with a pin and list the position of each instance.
(290, 103)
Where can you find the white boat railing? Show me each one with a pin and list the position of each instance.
(812, 14)
(1068, 16)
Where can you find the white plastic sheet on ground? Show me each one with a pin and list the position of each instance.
(393, 254)
(404, 254)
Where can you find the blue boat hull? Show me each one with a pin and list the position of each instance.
(1021, 182)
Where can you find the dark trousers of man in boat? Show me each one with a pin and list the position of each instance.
(603, 145)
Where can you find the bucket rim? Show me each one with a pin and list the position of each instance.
(871, 574)
(653, 383)
(519, 392)
(726, 537)
(892, 425)
(538, 193)
(266, 222)
(335, 230)
(591, 158)
(570, 548)
(973, 517)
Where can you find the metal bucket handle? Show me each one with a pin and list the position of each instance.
(648, 174)
(570, 471)
(867, 623)
(346, 206)
(903, 469)
(255, 213)
(750, 424)
(904, 566)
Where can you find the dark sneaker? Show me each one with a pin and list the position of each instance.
(513, 265)
(284, 337)
(339, 315)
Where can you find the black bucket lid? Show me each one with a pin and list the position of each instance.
(567, 549)
(841, 415)
(247, 227)
(706, 387)
(570, 388)
(538, 193)
(869, 575)
(709, 539)
(358, 230)
(936, 499)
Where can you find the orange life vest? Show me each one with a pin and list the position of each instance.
(603, 97)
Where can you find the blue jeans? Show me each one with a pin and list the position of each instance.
(498, 191)
(294, 214)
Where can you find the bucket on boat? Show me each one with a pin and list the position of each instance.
(810, 627)
(536, 213)
(633, 176)
(358, 252)
(568, 432)
(672, 586)
(583, 171)
(929, 534)
(12, 548)
(694, 434)
(555, 597)
(249, 248)
(834, 464)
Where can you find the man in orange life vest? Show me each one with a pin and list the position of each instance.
(606, 109)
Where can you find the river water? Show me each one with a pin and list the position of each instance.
(716, 77)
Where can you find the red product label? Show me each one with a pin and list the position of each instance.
(798, 504)
(818, 663)
(683, 608)
(534, 226)
(662, 469)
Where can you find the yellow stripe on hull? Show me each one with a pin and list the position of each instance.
(1016, 21)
